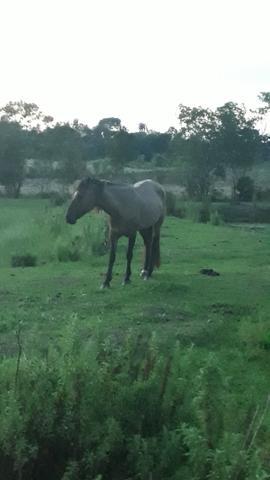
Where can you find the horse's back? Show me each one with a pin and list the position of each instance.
(149, 188)
(153, 201)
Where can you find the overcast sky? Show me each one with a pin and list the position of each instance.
(133, 59)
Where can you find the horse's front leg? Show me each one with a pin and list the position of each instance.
(131, 243)
(108, 277)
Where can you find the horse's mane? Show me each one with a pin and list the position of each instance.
(87, 181)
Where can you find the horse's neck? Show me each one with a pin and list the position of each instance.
(110, 199)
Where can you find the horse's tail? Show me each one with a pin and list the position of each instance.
(156, 251)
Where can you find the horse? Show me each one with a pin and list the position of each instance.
(131, 209)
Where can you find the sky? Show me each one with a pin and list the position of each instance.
(133, 59)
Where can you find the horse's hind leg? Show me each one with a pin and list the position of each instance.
(147, 235)
(155, 254)
(131, 243)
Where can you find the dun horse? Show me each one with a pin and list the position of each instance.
(131, 208)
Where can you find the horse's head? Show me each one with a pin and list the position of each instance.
(84, 199)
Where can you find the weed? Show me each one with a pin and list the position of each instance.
(27, 260)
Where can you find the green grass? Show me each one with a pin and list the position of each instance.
(178, 299)
(227, 315)
(177, 302)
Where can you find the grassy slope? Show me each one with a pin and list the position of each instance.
(226, 314)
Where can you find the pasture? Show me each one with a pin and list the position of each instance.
(215, 328)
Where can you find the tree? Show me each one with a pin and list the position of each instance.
(64, 147)
(143, 127)
(150, 144)
(13, 146)
(264, 111)
(122, 149)
(108, 126)
(265, 98)
(237, 141)
(214, 142)
(196, 137)
(28, 115)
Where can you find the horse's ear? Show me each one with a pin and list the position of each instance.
(90, 181)
(86, 182)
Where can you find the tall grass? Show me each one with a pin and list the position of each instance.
(113, 411)
(39, 229)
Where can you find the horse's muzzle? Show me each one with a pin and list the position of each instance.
(70, 220)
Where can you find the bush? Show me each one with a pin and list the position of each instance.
(245, 187)
(244, 213)
(204, 213)
(27, 260)
(111, 411)
(170, 203)
(67, 253)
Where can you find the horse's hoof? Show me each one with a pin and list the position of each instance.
(143, 273)
(104, 285)
(126, 282)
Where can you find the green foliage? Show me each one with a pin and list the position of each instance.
(216, 218)
(43, 232)
(63, 144)
(212, 142)
(28, 115)
(170, 203)
(27, 260)
(122, 148)
(167, 379)
(90, 240)
(13, 141)
(204, 212)
(245, 189)
(57, 200)
(66, 252)
(198, 212)
(119, 411)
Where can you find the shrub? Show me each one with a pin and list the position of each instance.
(111, 411)
(170, 203)
(67, 253)
(245, 187)
(204, 213)
(27, 260)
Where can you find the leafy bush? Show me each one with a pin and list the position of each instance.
(245, 187)
(111, 411)
(204, 213)
(244, 213)
(170, 203)
(66, 253)
(198, 212)
(27, 260)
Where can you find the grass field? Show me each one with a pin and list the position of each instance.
(226, 316)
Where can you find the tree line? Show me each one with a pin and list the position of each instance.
(207, 144)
